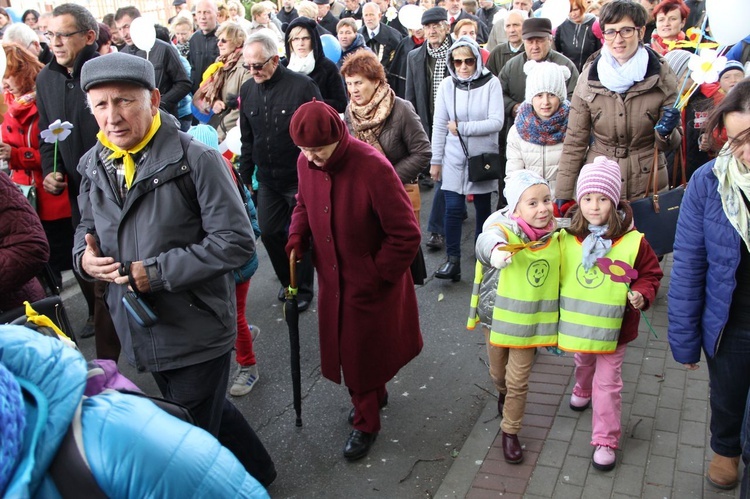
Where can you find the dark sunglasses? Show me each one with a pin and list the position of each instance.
(469, 61)
(256, 67)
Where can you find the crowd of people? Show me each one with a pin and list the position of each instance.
(160, 227)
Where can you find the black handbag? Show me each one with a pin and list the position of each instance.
(482, 167)
(656, 215)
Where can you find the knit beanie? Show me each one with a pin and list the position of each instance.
(602, 176)
(678, 62)
(546, 77)
(732, 66)
(205, 134)
(516, 183)
(316, 124)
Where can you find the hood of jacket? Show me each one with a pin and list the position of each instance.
(358, 43)
(479, 71)
(310, 26)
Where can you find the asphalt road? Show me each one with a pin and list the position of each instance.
(434, 401)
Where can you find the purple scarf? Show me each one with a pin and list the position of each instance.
(542, 132)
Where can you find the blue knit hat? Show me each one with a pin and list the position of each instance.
(205, 134)
(12, 424)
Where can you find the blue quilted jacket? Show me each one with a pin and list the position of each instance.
(706, 257)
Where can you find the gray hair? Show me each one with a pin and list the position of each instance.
(85, 21)
(266, 40)
(20, 34)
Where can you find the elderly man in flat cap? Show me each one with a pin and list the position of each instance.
(353, 205)
(161, 215)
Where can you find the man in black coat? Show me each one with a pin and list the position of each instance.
(380, 38)
(353, 10)
(287, 13)
(486, 13)
(204, 48)
(389, 16)
(269, 99)
(325, 16)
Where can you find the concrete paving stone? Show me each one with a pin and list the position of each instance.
(660, 470)
(660, 319)
(533, 432)
(475, 493)
(675, 378)
(617, 495)
(553, 453)
(628, 479)
(644, 405)
(584, 422)
(550, 389)
(652, 365)
(697, 390)
(499, 483)
(664, 444)
(628, 392)
(640, 427)
(649, 385)
(700, 374)
(562, 428)
(574, 470)
(695, 410)
(532, 445)
(710, 492)
(671, 398)
(641, 341)
(693, 433)
(626, 409)
(580, 444)
(536, 420)
(567, 491)
(542, 398)
(543, 481)
(502, 468)
(598, 484)
(547, 378)
(667, 420)
(655, 491)
(690, 459)
(540, 409)
(634, 451)
(633, 355)
(560, 370)
(688, 485)
(654, 351)
(630, 372)
(651, 342)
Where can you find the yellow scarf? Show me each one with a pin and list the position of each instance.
(127, 158)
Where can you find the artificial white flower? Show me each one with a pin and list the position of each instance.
(57, 131)
(706, 66)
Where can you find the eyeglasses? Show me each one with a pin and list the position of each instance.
(256, 67)
(625, 33)
(52, 35)
(300, 39)
(469, 61)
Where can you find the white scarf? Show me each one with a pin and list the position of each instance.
(619, 78)
(302, 65)
(734, 179)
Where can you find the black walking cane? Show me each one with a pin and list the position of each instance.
(291, 314)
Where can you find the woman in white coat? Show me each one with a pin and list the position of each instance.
(535, 141)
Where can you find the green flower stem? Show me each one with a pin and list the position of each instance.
(643, 315)
(54, 164)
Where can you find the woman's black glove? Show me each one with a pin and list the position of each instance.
(232, 102)
(668, 122)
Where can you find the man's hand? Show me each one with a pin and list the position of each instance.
(436, 172)
(53, 183)
(99, 267)
(140, 278)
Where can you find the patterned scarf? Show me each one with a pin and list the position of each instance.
(734, 180)
(541, 132)
(211, 88)
(368, 119)
(440, 55)
(661, 47)
(595, 246)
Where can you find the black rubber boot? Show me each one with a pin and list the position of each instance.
(451, 269)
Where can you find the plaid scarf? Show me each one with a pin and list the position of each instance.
(440, 55)
(368, 120)
(548, 132)
(211, 89)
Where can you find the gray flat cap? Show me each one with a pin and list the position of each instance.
(117, 67)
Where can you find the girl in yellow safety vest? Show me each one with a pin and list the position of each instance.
(598, 316)
(515, 295)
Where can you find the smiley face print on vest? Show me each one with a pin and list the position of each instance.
(537, 273)
(591, 279)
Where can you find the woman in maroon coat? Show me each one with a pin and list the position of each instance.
(352, 203)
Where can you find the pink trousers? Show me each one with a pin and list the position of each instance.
(599, 376)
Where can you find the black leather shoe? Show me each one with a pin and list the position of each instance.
(358, 444)
(500, 403)
(451, 269)
(435, 242)
(383, 403)
(303, 305)
(282, 294)
(512, 451)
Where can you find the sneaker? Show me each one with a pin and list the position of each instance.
(254, 332)
(244, 381)
(579, 403)
(604, 458)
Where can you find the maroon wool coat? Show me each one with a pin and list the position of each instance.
(365, 237)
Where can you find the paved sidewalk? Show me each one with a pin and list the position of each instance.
(664, 449)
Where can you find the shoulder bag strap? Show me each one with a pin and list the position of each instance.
(455, 116)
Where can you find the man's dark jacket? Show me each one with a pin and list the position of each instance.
(59, 96)
(204, 50)
(267, 110)
(482, 31)
(384, 44)
(329, 22)
(170, 76)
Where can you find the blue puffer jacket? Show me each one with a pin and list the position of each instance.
(706, 257)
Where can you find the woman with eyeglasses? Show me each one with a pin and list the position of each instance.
(30, 18)
(621, 107)
(304, 54)
(670, 16)
(217, 95)
(468, 109)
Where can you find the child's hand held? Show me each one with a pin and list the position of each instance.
(500, 259)
(636, 299)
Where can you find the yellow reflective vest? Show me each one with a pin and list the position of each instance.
(526, 305)
(591, 304)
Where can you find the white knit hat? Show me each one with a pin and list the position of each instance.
(546, 77)
(516, 183)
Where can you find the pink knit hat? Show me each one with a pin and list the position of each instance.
(602, 176)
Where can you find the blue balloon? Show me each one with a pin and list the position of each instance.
(331, 47)
(15, 17)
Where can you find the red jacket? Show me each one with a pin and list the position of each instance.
(21, 132)
(365, 237)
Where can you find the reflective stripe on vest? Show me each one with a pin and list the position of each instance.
(526, 306)
(591, 304)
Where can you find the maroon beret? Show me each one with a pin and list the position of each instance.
(316, 124)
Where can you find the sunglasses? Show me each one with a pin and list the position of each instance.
(257, 67)
(469, 61)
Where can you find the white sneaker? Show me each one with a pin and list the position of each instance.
(244, 380)
(254, 332)
(604, 458)
(579, 403)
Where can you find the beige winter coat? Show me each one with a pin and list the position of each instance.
(230, 91)
(621, 127)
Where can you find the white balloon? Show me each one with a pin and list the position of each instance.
(727, 19)
(556, 11)
(234, 140)
(142, 33)
(410, 16)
